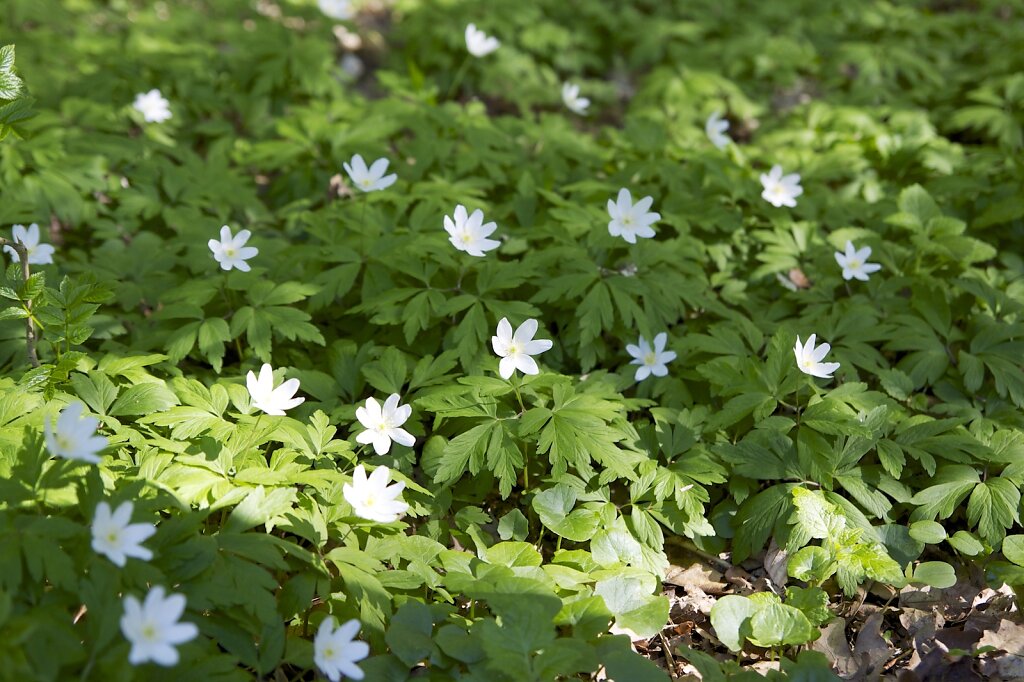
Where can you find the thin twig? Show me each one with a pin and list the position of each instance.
(31, 337)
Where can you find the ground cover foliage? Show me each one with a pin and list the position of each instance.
(734, 518)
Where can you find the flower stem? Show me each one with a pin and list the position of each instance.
(519, 397)
(31, 336)
(459, 75)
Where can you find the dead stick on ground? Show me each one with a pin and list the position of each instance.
(668, 656)
(31, 337)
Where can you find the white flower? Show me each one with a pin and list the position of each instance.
(352, 65)
(779, 189)
(153, 107)
(515, 349)
(629, 220)
(153, 629)
(809, 359)
(336, 651)
(855, 263)
(469, 233)
(75, 437)
(231, 252)
(572, 99)
(651, 360)
(264, 396)
(372, 498)
(372, 178)
(38, 254)
(336, 9)
(715, 129)
(384, 425)
(115, 537)
(479, 43)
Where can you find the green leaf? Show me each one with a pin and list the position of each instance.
(811, 564)
(1013, 549)
(260, 507)
(994, 506)
(409, 633)
(731, 618)
(10, 84)
(937, 574)
(928, 532)
(966, 543)
(780, 625)
(513, 526)
(812, 602)
(554, 507)
(143, 399)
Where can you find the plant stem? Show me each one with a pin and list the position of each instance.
(459, 75)
(31, 337)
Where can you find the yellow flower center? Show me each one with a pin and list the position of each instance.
(113, 537)
(650, 359)
(854, 264)
(229, 251)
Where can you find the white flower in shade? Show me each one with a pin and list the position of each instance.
(264, 396)
(372, 178)
(372, 498)
(629, 220)
(855, 263)
(336, 9)
(383, 425)
(479, 43)
(75, 436)
(231, 251)
(715, 129)
(469, 233)
(153, 107)
(335, 649)
(809, 359)
(651, 360)
(352, 65)
(572, 99)
(515, 349)
(153, 629)
(779, 189)
(38, 254)
(115, 537)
